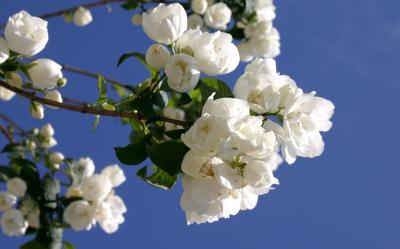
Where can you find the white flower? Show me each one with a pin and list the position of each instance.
(173, 113)
(55, 96)
(82, 17)
(214, 52)
(157, 56)
(208, 134)
(137, 20)
(13, 223)
(7, 201)
(30, 210)
(16, 186)
(218, 16)
(115, 174)
(49, 143)
(199, 6)
(26, 34)
(165, 23)
(73, 191)
(265, 10)
(273, 161)
(85, 166)
(6, 94)
(262, 66)
(33, 219)
(110, 213)
(231, 109)
(245, 51)
(80, 215)
(96, 187)
(266, 44)
(258, 175)
(37, 110)
(56, 158)
(45, 73)
(195, 22)
(4, 52)
(302, 123)
(259, 28)
(182, 72)
(198, 164)
(47, 130)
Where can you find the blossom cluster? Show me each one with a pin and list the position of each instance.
(26, 35)
(194, 51)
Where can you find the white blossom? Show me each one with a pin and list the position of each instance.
(246, 52)
(45, 73)
(7, 201)
(265, 10)
(33, 219)
(26, 34)
(115, 174)
(47, 130)
(157, 56)
(199, 6)
(55, 96)
(173, 113)
(5, 94)
(49, 143)
(110, 213)
(73, 191)
(266, 44)
(182, 72)
(4, 51)
(56, 157)
(82, 17)
(230, 109)
(37, 110)
(16, 186)
(80, 215)
(214, 52)
(165, 23)
(96, 187)
(218, 16)
(85, 166)
(195, 22)
(13, 223)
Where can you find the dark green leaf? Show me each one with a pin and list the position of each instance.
(131, 4)
(138, 130)
(132, 154)
(160, 99)
(33, 244)
(141, 58)
(14, 148)
(7, 173)
(159, 178)
(208, 86)
(143, 103)
(168, 156)
(101, 86)
(175, 134)
(184, 100)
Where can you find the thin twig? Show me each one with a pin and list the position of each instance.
(6, 133)
(14, 124)
(85, 109)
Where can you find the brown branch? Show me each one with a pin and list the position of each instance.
(14, 124)
(6, 133)
(85, 109)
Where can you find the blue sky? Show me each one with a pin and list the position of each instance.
(346, 50)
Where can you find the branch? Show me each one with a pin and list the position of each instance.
(6, 133)
(13, 124)
(83, 108)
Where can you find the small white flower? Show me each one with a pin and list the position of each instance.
(73, 191)
(182, 72)
(115, 174)
(56, 158)
(26, 34)
(82, 17)
(45, 73)
(174, 113)
(199, 6)
(16, 186)
(266, 45)
(165, 23)
(47, 130)
(37, 110)
(110, 213)
(33, 219)
(157, 56)
(5, 94)
(80, 215)
(258, 175)
(265, 10)
(7, 201)
(214, 52)
(137, 20)
(96, 187)
(4, 52)
(55, 96)
(85, 166)
(246, 51)
(195, 22)
(49, 143)
(218, 16)
(13, 223)
(231, 109)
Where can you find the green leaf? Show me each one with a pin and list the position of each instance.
(138, 130)
(159, 178)
(153, 72)
(143, 103)
(96, 122)
(33, 244)
(175, 134)
(132, 154)
(68, 245)
(160, 99)
(131, 4)
(14, 148)
(208, 86)
(7, 173)
(168, 156)
(101, 86)
(184, 99)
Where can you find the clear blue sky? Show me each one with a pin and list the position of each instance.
(348, 51)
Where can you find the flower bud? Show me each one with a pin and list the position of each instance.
(195, 21)
(26, 34)
(4, 52)
(55, 96)
(37, 110)
(86, 166)
(62, 82)
(31, 145)
(199, 6)
(182, 72)
(6, 94)
(218, 16)
(7, 201)
(165, 23)
(56, 158)
(137, 20)
(47, 130)
(16, 186)
(45, 73)
(157, 56)
(82, 17)
(49, 143)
